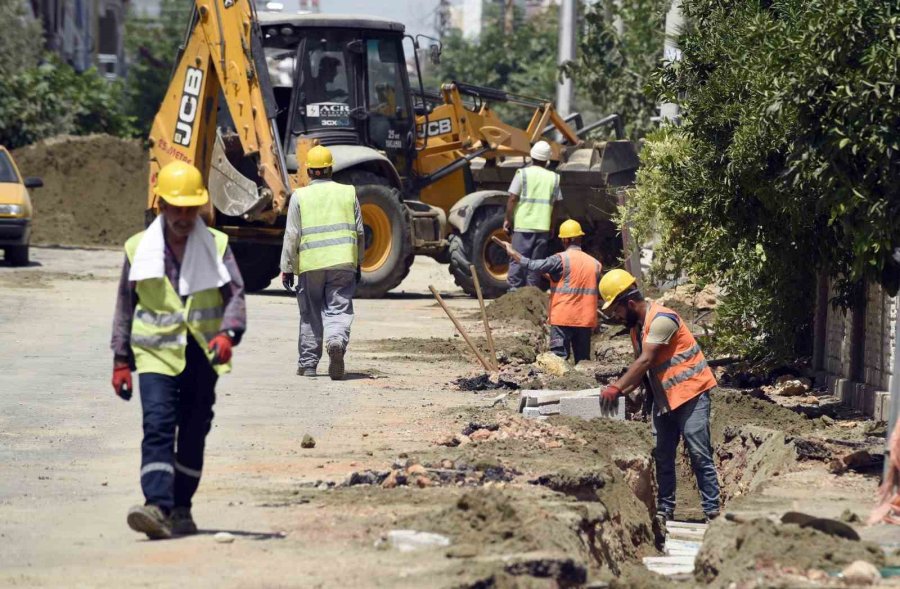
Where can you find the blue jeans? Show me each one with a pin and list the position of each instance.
(691, 421)
(177, 416)
(532, 246)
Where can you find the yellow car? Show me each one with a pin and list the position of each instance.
(15, 210)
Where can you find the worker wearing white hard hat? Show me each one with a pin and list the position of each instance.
(533, 193)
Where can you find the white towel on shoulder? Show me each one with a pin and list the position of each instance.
(201, 268)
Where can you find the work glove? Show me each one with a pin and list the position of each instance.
(221, 347)
(121, 381)
(609, 395)
(287, 280)
(358, 274)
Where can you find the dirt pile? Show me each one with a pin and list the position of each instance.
(734, 552)
(95, 189)
(525, 306)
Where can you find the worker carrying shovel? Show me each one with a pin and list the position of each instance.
(680, 381)
(180, 310)
(573, 292)
(324, 244)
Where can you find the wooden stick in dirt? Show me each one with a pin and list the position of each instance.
(487, 325)
(459, 328)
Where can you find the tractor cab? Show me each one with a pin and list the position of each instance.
(341, 80)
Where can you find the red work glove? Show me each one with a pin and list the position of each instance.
(221, 347)
(610, 394)
(121, 381)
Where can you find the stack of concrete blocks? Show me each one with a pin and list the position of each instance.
(583, 404)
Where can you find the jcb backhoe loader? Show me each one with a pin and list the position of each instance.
(252, 92)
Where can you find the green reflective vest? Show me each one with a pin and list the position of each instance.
(535, 207)
(162, 322)
(327, 226)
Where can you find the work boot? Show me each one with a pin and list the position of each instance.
(301, 371)
(183, 522)
(150, 520)
(336, 360)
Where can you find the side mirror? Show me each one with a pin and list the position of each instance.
(436, 54)
(33, 182)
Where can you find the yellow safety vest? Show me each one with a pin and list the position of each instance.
(535, 207)
(327, 226)
(162, 322)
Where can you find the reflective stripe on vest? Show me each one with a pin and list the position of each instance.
(327, 226)
(574, 298)
(163, 322)
(683, 372)
(535, 206)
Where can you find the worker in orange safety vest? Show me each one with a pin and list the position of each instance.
(680, 381)
(573, 292)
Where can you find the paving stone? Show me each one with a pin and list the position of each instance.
(590, 408)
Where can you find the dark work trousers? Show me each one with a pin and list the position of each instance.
(532, 246)
(178, 413)
(690, 420)
(575, 340)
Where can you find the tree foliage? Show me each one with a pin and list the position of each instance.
(54, 99)
(22, 41)
(786, 163)
(615, 66)
(152, 45)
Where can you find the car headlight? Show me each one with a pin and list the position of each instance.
(10, 210)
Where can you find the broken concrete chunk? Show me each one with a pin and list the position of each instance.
(308, 441)
(860, 573)
(411, 540)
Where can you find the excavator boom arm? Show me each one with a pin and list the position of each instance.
(221, 57)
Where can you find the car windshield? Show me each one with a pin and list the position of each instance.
(7, 171)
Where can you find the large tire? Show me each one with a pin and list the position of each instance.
(259, 263)
(389, 252)
(476, 248)
(17, 255)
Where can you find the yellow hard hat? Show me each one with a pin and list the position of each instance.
(570, 229)
(181, 185)
(319, 157)
(614, 283)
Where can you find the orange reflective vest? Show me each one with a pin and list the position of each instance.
(574, 298)
(682, 372)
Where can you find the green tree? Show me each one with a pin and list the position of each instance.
(22, 41)
(613, 67)
(152, 45)
(54, 99)
(786, 163)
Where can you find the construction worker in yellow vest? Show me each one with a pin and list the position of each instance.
(573, 292)
(323, 246)
(680, 382)
(180, 310)
(533, 193)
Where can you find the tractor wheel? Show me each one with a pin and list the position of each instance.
(389, 252)
(476, 248)
(258, 263)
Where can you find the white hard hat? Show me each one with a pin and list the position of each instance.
(541, 151)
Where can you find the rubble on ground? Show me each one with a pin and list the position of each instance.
(789, 386)
(95, 189)
(750, 550)
(514, 427)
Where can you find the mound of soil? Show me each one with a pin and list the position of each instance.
(95, 189)
(733, 552)
(527, 306)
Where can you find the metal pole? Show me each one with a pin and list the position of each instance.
(669, 111)
(894, 387)
(567, 20)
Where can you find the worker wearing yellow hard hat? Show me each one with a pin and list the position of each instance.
(680, 383)
(179, 312)
(533, 194)
(573, 292)
(323, 248)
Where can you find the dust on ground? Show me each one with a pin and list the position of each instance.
(734, 552)
(95, 189)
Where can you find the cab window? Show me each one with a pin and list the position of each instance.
(325, 99)
(385, 90)
(7, 171)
